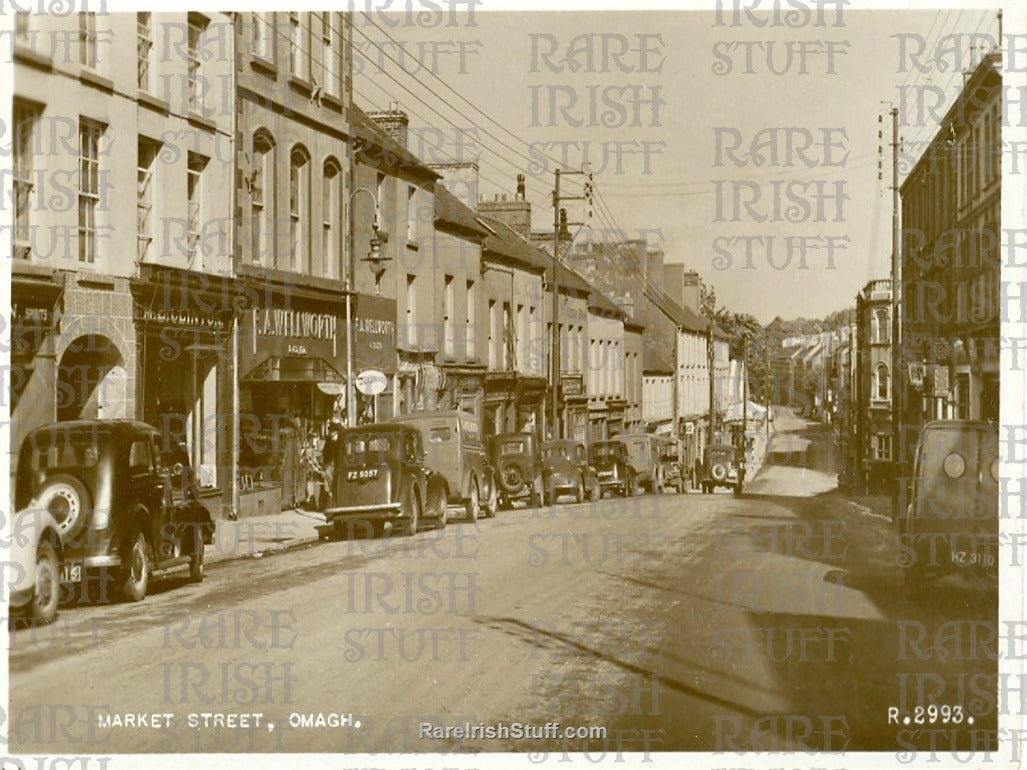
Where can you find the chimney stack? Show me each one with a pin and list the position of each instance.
(394, 121)
(690, 293)
(515, 213)
(520, 187)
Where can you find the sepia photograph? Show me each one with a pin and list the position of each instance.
(459, 383)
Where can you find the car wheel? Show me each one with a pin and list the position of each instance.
(595, 493)
(413, 515)
(135, 574)
(718, 471)
(440, 509)
(196, 563)
(67, 499)
(493, 506)
(473, 505)
(48, 585)
(579, 493)
(536, 500)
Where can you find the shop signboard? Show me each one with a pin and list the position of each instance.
(374, 334)
(313, 334)
(371, 382)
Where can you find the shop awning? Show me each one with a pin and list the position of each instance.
(285, 369)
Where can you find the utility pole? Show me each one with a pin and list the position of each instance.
(554, 348)
(675, 406)
(710, 364)
(897, 453)
(560, 232)
(745, 386)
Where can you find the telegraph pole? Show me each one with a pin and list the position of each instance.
(709, 365)
(560, 232)
(897, 453)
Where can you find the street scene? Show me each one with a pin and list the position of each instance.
(776, 641)
(447, 380)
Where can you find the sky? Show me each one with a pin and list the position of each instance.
(659, 97)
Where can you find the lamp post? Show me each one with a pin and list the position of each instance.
(376, 261)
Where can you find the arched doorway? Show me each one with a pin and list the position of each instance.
(92, 380)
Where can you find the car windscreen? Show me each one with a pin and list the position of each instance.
(559, 453)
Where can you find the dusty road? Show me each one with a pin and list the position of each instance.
(771, 621)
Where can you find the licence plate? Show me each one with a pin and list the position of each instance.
(71, 573)
(980, 557)
(365, 473)
(605, 474)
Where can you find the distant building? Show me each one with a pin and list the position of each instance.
(872, 394)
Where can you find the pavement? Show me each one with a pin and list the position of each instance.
(258, 536)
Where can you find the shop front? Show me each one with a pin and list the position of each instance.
(184, 369)
(34, 327)
(499, 408)
(292, 377)
(529, 404)
(575, 406)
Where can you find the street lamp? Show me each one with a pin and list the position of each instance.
(376, 261)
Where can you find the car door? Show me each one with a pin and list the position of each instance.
(147, 488)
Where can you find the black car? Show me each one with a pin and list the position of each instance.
(124, 499)
(517, 459)
(614, 468)
(379, 478)
(723, 465)
(566, 471)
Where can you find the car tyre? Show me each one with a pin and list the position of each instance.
(473, 505)
(440, 508)
(413, 515)
(579, 493)
(72, 503)
(196, 563)
(595, 492)
(46, 595)
(536, 498)
(135, 575)
(493, 505)
(718, 471)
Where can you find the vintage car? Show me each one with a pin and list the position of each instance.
(644, 456)
(723, 465)
(613, 467)
(379, 477)
(670, 465)
(453, 449)
(125, 504)
(517, 459)
(35, 563)
(951, 522)
(565, 471)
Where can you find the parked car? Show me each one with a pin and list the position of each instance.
(124, 502)
(517, 459)
(613, 467)
(723, 466)
(951, 522)
(453, 448)
(379, 477)
(565, 471)
(35, 564)
(644, 455)
(670, 467)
